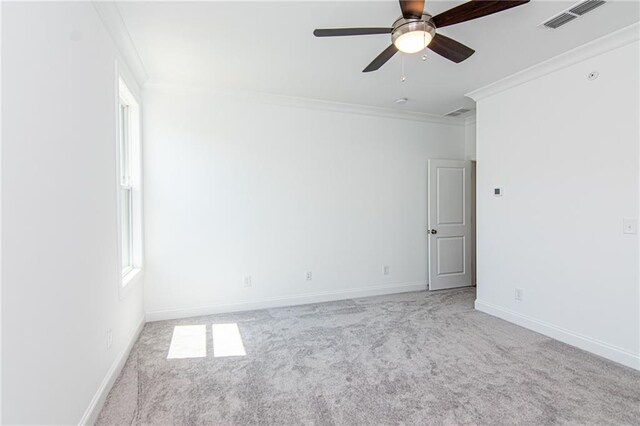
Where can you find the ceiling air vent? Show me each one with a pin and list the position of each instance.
(575, 12)
(585, 6)
(457, 112)
(559, 20)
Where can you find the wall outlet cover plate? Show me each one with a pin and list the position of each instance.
(630, 225)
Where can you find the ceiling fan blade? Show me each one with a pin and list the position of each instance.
(474, 9)
(450, 49)
(338, 32)
(381, 59)
(412, 8)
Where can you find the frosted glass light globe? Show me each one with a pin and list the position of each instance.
(413, 41)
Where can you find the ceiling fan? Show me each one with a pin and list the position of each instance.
(416, 30)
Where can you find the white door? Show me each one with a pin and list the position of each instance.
(449, 224)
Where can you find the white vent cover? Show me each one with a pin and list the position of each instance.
(585, 6)
(457, 112)
(559, 20)
(574, 12)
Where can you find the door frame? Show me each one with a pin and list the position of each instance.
(468, 220)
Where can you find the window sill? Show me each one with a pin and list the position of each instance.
(128, 281)
(129, 276)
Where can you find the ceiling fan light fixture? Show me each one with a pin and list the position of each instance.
(413, 36)
(413, 42)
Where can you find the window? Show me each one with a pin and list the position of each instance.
(126, 215)
(129, 191)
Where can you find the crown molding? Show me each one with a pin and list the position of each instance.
(596, 47)
(113, 22)
(309, 103)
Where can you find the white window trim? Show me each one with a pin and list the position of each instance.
(125, 182)
(129, 277)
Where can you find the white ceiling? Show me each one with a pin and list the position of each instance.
(268, 47)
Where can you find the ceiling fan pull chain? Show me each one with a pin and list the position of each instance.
(403, 77)
(424, 56)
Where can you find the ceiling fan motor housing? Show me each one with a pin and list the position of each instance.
(420, 30)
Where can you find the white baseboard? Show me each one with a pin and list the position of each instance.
(275, 302)
(597, 347)
(91, 414)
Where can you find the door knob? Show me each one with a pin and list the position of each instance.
(432, 231)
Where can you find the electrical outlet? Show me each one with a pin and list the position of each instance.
(519, 294)
(309, 276)
(109, 338)
(247, 281)
(630, 226)
(385, 270)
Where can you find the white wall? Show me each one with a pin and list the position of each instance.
(237, 188)
(470, 139)
(60, 264)
(0, 218)
(565, 149)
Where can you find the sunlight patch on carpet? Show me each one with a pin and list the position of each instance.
(227, 340)
(188, 341)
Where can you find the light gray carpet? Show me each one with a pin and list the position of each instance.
(413, 358)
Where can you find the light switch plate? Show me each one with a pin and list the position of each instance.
(630, 226)
(519, 294)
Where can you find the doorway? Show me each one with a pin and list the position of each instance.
(451, 223)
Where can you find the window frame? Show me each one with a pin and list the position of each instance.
(124, 145)
(129, 181)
